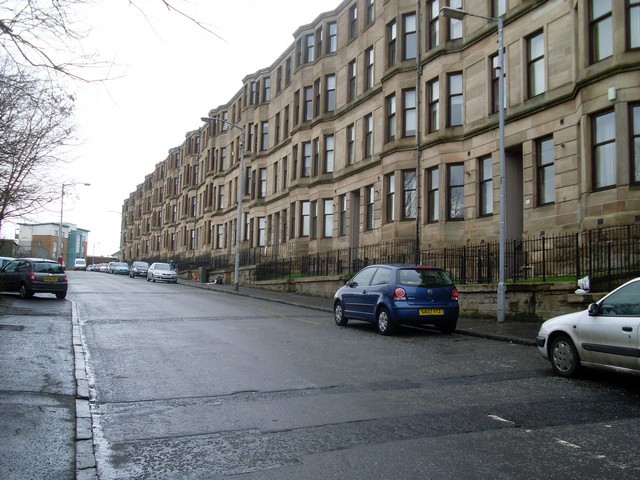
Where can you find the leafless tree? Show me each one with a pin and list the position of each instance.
(35, 128)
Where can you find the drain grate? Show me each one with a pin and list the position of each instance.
(12, 328)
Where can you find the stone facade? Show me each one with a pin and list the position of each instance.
(347, 143)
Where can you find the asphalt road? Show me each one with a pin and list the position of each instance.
(188, 383)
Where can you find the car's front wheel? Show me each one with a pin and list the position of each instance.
(25, 292)
(564, 356)
(385, 324)
(449, 327)
(338, 315)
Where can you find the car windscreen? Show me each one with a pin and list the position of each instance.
(47, 267)
(423, 277)
(162, 266)
(141, 264)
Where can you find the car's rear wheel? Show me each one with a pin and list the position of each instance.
(25, 292)
(385, 324)
(449, 327)
(338, 315)
(564, 356)
(61, 296)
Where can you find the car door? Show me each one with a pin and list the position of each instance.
(355, 302)
(610, 336)
(12, 274)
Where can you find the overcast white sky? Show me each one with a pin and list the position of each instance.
(172, 77)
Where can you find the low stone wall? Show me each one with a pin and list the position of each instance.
(523, 302)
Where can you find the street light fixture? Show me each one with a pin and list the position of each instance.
(458, 14)
(60, 252)
(236, 277)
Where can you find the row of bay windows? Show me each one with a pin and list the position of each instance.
(313, 100)
(330, 217)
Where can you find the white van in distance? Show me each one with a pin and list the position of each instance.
(79, 264)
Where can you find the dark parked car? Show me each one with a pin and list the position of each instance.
(34, 275)
(138, 269)
(162, 271)
(390, 295)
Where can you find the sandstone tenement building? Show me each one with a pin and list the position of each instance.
(380, 122)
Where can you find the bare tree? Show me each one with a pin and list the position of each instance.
(35, 127)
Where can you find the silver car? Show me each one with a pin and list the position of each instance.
(605, 336)
(161, 271)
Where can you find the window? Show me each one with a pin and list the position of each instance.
(409, 195)
(351, 144)
(223, 159)
(495, 82)
(456, 191)
(433, 39)
(316, 157)
(287, 71)
(313, 227)
(317, 88)
(279, 80)
(391, 117)
(604, 150)
(308, 103)
(275, 177)
(309, 45)
(276, 137)
(220, 197)
(390, 187)
(329, 153)
(485, 171)
(343, 215)
(455, 26)
(368, 66)
(306, 159)
(633, 26)
(319, 42)
(266, 89)
(304, 218)
(328, 219)
(262, 223)
(409, 104)
(351, 88)
(370, 207)
(332, 43)
(220, 236)
(253, 95)
(409, 45)
(392, 34)
(330, 93)
(600, 29)
(371, 11)
(368, 136)
(264, 139)
(535, 65)
(262, 188)
(433, 196)
(353, 21)
(545, 171)
(635, 144)
(434, 105)
(455, 99)
(285, 172)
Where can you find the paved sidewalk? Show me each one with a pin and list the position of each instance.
(515, 332)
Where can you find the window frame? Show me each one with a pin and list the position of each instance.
(597, 146)
(452, 192)
(545, 171)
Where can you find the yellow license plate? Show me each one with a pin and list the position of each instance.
(431, 311)
(50, 279)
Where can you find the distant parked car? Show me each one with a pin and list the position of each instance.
(29, 276)
(604, 336)
(390, 295)
(120, 268)
(138, 269)
(79, 264)
(161, 271)
(110, 267)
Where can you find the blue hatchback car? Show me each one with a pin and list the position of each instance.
(390, 295)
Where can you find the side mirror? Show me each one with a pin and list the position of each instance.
(593, 309)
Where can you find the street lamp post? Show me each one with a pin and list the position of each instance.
(60, 252)
(458, 14)
(236, 277)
